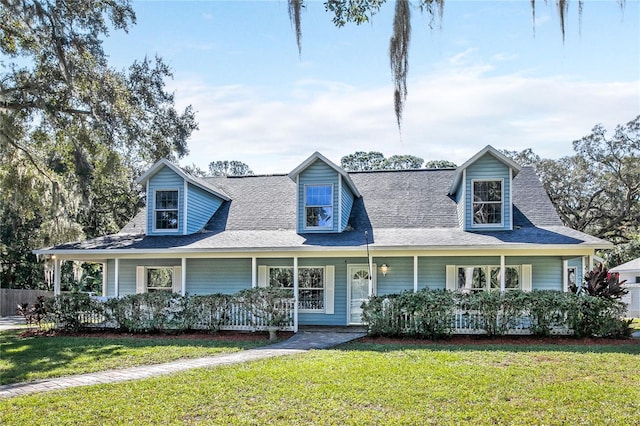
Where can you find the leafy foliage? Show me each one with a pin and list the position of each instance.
(432, 313)
(165, 311)
(597, 190)
(73, 131)
(229, 168)
(600, 282)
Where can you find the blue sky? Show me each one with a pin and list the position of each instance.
(482, 76)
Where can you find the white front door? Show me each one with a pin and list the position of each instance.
(358, 291)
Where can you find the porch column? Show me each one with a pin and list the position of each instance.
(502, 274)
(183, 273)
(295, 294)
(56, 275)
(105, 279)
(583, 269)
(116, 277)
(415, 274)
(254, 272)
(565, 276)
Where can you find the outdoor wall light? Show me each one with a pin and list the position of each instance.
(384, 268)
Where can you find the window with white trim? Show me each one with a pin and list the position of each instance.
(318, 206)
(311, 284)
(166, 210)
(487, 202)
(159, 279)
(487, 278)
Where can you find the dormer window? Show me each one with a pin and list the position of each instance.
(166, 210)
(318, 206)
(487, 202)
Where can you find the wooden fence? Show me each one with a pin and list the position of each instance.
(10, 298)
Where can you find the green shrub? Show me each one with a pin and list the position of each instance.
(208, 312)
(383, 315)
(147, 312)
(597, 316)
(547, 310)
(73, 311)
(426, 313)
(267, 305)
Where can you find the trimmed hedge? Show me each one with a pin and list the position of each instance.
(163, 311)
(432, 314)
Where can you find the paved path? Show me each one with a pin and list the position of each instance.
(300, 342)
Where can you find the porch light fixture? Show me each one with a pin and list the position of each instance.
(384, 268)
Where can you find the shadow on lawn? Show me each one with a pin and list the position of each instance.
(21, 357)
(506, 344)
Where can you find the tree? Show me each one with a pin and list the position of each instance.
(402, 162)
(440, 164)
(361, 161)
(229, 168)
(361, 11)
(73, 131)
(597, 190)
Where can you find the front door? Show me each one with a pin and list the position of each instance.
(358, 291)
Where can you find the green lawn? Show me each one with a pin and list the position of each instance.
(33, 358)
(370, 384)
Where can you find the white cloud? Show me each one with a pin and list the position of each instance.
(449, 116)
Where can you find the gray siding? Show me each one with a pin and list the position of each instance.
(165, 179)
(318, 173)
(210, 276)
(201, 205)
(488, 167)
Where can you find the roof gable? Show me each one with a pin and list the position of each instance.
(316, 156)
(200, 183)
(486, 150)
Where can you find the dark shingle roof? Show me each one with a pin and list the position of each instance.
(399, 209)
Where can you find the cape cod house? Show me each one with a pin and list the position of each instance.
(337, 237)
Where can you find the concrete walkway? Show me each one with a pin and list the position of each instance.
(300, 342)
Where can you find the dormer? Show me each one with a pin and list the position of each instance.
(177, 202)
(324, 194)
(482, 191)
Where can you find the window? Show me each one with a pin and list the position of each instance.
(159, 279)
(487, 202)
(487, 278)
(310, 284)
(166, 210)
(318, 206)
(637, 280)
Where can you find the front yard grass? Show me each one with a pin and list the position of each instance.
(368, 383)
(25, 359)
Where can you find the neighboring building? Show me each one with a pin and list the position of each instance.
(630, 272)
(487, 225)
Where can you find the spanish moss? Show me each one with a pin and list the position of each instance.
(399, 55)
